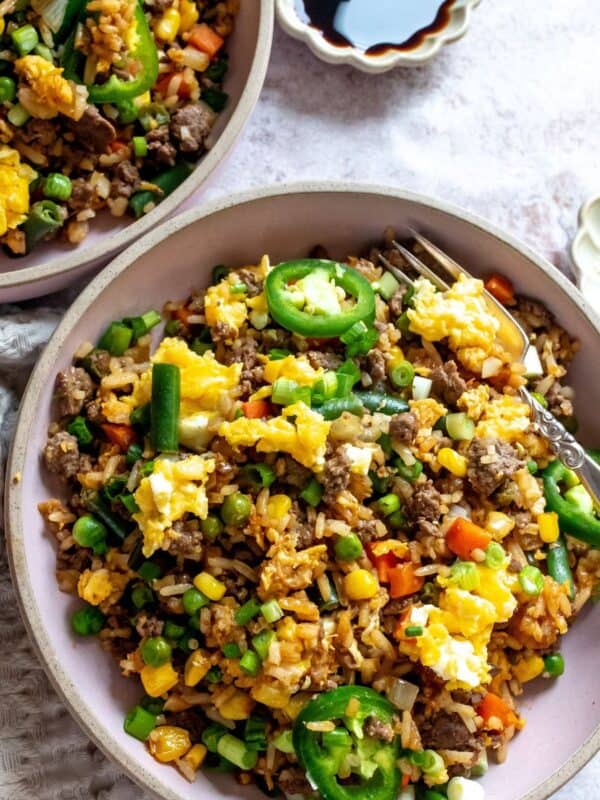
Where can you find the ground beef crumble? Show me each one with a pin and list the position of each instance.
(491, 462)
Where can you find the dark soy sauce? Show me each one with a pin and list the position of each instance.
(377, 25)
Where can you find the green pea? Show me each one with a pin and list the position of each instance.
(141, 596)
(554, 665)
(236, 509)
(156, 651)
(87, 621)
(193, 601)
(89, 531)
(211, 526)
(8, 89)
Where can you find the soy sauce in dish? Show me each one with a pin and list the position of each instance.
(376, 25)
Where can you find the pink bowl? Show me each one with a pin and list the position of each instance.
(563, 729)
(53, 266)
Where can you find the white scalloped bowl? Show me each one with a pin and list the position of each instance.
(289, 20)
(54, 265)
(585, 250)
(563, 717)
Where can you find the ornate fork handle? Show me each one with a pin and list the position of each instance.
(566, 447)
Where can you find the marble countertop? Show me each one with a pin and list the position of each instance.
(504, 123)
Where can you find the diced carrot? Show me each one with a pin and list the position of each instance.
(117, 145)
(405, 781)
(403, 581)
(256, 409)
(383, 564)
(121, 435)
(494, 706)
(501, 288)
(464, 536)
(162, 86)
(204, 38)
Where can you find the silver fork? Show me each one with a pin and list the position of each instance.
(516, 342)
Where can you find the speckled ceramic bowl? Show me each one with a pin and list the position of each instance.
(585, 251)
(291, 21)
(563, 729)
(53, 266)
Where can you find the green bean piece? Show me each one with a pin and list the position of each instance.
(164, 407)
(166, 183)
(380, 401)
(332, 409)
(557, 560)
(115, 524)
(44, 218)
(78, 428)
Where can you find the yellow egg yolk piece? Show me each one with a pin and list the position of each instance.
(298, 431)
(294, 368)
(173, 489)
(45, 92)
(15, 178)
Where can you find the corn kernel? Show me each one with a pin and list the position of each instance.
(270, 696)
(2, 25)
(196, 756)
(168, 25)
(548, 525)
(168, 743)
(286, 630)
(499, 524)
(278, 506)
(528, 668)
(210, 586)
(142, 99)
(158, 680)
(188, 13)
(237, 707)
(296, 704)
(360, 584)
(196, 667)
(453, 461)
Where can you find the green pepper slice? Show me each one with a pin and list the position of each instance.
(115, 90)
(585, 527)
(321, 325)
(322, 755)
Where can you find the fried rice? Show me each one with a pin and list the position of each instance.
(282, 552)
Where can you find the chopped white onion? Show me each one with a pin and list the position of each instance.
(459, 511)
(407, 794)
(532, 364)
(405, 454)
(402, 694)
(490, 367)
(421, 387)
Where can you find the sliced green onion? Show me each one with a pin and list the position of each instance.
(128, 500)
(219, 272)
(460, 426)
(411, 473)
(312, 493)
(250, 663)
(212, 735)
(540, 398)
(262, 642)
(258, 475)
(325, 388)
(231, 650)
(388, 504)
(238, 288)
(345, 384)
(236, 751)
(140, 146)
(247, 612)
(214, 675)
(287, 392)
(337, 739)
(116, 339)
(580, 498)
(79, 429)
(532, 467)
(465, 574)
(134, 453)
(283, 742)
(149, 571)
(25, 39)
(402, 374)
(278, 354)
(348, 548)
(18, 115)
(143, 324)
(140, 417)
(255, 733)
(271, 611)
(531, 581)
(359, 339)
(139, 723)
(349, 368)
(494, 555)
(386, 286)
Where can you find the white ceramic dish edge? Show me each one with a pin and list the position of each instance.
(585, 250)
(43, 644)
(62, 270)
(295, 27)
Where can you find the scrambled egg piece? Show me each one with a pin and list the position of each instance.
(456, 634)
(304, 438)
(100, 585)
(294, 368)
(360, 457)
(221, 305)
(504, 417)
(14, 189)
(458, 314)
(47, 93)
(173, 489)
(474, 401)
(203, 381)
(427, 411)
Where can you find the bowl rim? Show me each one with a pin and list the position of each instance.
(374, 64)
(71, 262)
(42, 644)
